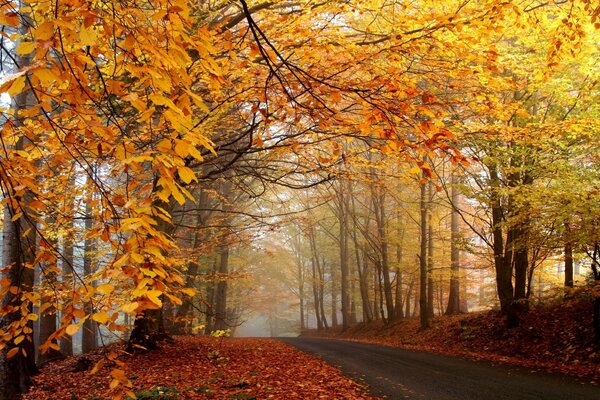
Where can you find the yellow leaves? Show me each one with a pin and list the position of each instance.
(130, 308)
(17, 86)
(148, 272)
(106, 288)
(186, 174)
(19, 339)
(183, 148)
(119, 378)
(25, 48)
(87, 36)
(154, 296)
(98, 366)
(45, 31)
(72, 329)
(189, 291)
(101, 317)
(32, 317)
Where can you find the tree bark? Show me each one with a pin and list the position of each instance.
(430, 283)
(568, 257)
(18, 254)
(221, 321)
(89, 332)
(423, 260)
(454, 294)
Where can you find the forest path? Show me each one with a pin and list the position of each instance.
(396, 373)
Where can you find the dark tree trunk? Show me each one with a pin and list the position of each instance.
(210, 299)
(502, 261)
(378, 201)
(568, 257)
(148, 330)
(221, 321)
(18, 254)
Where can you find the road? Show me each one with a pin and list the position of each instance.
(406, 374)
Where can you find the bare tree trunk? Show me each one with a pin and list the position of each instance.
(89, 332)
(399, 303)
(221, 321)
(454, 295)
(334, 298)
(210, 299)
(568, 257)
(503, 269)
(68, 263)
(378, 201)
(430, 285)
(423, 260)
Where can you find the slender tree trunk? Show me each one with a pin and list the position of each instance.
(210, 299)
(89, 332)
(423, 260)
(221, 320)
(502, 267)
(430, 283)
(344, 267)
(568, 257)
(334, 299)
(317, 283)
(399, 303)
(407, 308)
(321, 271)
(378, 201)
(68, 263)
(454, 294)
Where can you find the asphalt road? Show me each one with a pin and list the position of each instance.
(406, 374)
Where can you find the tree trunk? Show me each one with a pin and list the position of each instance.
(66, 343)
(568, 257)
(502, 267)
(210, 299)
(399, 303)
(378, 201)
(344, 267)
(423, 260)
(454, 294)
(430, 284)
(89, 332)
(18, 254)
(221, 321)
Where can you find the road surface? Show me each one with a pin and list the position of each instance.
(406, 374)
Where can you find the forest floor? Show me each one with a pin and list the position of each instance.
(554, 338)
(200, 367)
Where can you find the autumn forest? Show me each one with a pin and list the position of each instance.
(177, 171)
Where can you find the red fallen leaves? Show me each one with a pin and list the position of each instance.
(556, 338)
(198, 367)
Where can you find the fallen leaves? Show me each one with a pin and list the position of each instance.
(200, 367)
(556, 338)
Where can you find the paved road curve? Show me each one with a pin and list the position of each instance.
(405, 374)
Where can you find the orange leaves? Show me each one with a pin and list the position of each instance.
(231, 368)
